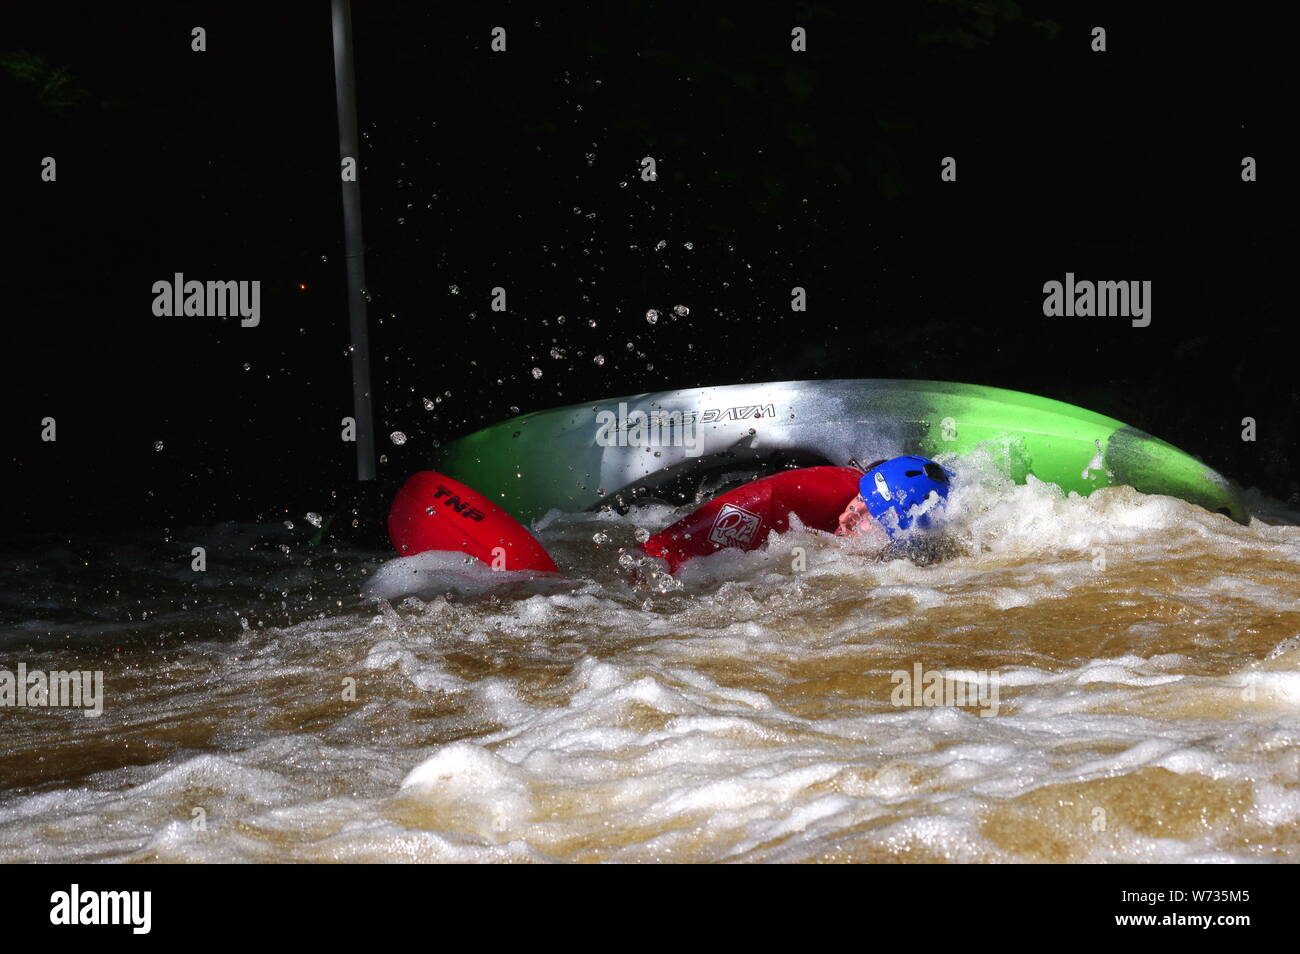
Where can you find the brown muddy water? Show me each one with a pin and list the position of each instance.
(1114, 678)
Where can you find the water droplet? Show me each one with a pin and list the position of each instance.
(454, 289)
(642, 535)
(600, 538)
(681, 311)
(537, 373)
(557, 353)
(398, 438)
(157, 445)
(288, 525)
(652, 316)
(428, 405)
(661, 245)
(689, 246)
(314, 519)
(591, 322)
(599, 360)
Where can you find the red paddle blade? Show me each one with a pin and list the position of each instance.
(434, 512)
(742, 518)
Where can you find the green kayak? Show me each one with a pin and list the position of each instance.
(681, 446)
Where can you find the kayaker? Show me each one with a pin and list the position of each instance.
(893, 496)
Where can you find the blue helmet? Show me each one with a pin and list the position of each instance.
(900, 485)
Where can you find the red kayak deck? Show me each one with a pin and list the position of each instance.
(742, 518)
(434, 512)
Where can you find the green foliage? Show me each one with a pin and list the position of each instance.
(55, 88)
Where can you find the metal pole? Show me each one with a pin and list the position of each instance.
(354, 249)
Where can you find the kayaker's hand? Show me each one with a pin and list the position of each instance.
(853, 514)
(856, 520)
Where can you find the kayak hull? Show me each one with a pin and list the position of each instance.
(683, 445)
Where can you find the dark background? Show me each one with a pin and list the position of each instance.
(818, 169)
